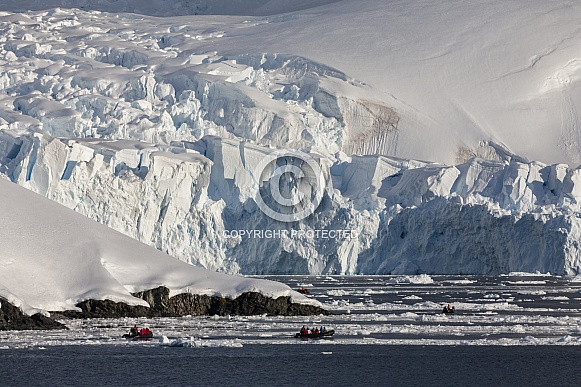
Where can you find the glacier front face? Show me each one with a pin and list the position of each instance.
(484, 217)
(143, 129)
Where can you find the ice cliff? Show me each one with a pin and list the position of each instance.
(406, 216)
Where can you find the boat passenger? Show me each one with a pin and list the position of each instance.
(449, 309)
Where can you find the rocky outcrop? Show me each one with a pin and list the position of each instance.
(161, 305)
(250, 303)
(12, 318)
(187, 304)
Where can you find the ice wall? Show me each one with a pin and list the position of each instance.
(480, 217)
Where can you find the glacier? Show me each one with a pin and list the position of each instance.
(483, 216)
(155, 127)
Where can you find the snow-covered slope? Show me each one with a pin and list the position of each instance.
(156, 126)
(504, 71)
(53, 258)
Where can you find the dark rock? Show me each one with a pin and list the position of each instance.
(104, 308)
(12, 318)
(185, 304)
(247, 304)
(157, 298)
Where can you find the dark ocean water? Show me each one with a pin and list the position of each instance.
(314, 364)
(488, 340)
